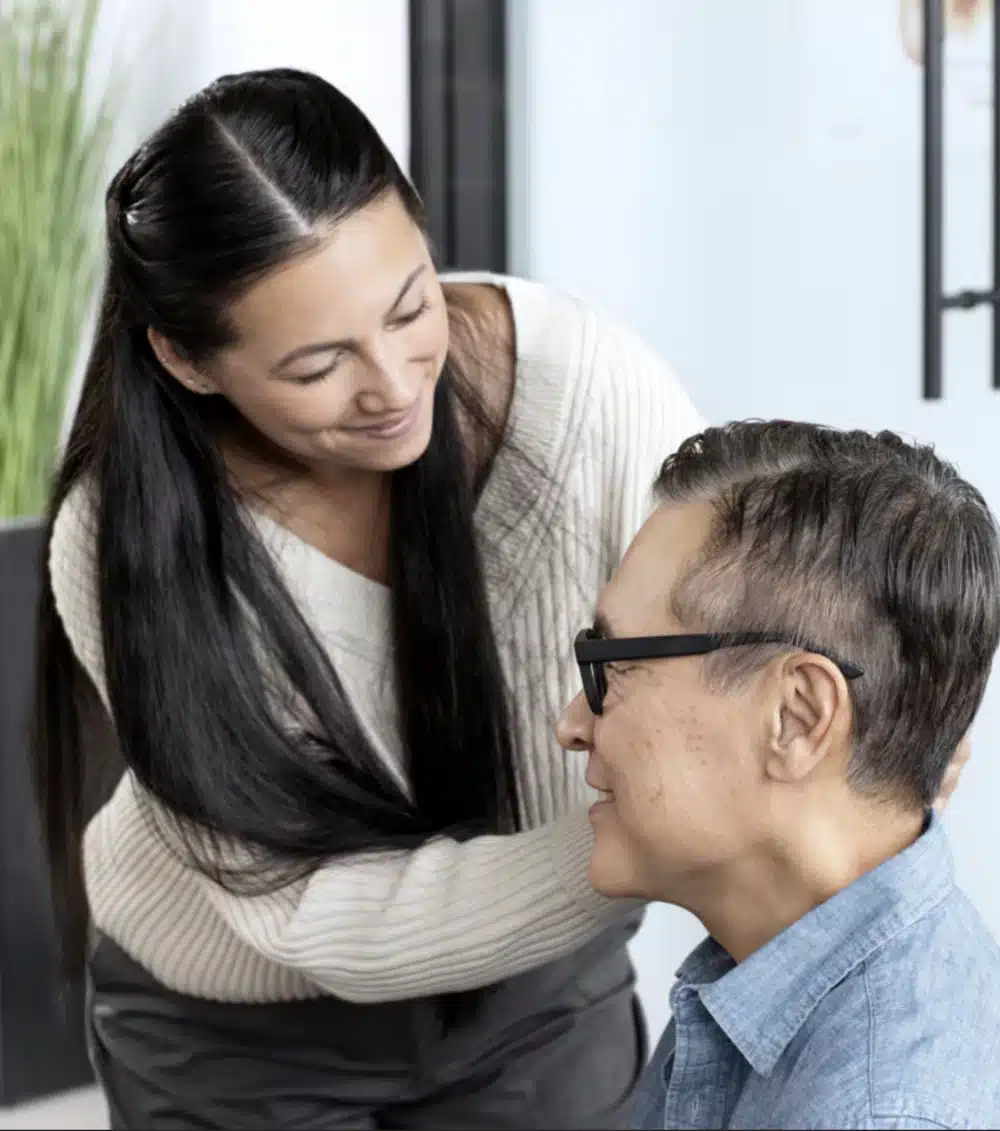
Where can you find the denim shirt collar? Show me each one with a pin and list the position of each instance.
(762, 1003)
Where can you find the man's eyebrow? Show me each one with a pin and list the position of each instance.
(602, 626)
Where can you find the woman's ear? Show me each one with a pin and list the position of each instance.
(176, 365)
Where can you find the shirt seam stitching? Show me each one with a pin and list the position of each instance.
(871, 1038)
(895, 1115)
(877, 1116)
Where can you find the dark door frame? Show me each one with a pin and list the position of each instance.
(458, 144)
(935, 301)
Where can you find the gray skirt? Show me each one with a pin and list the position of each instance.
(557, 1047)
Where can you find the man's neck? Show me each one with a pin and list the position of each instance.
(747, 903)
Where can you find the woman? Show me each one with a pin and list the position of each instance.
(323, 529)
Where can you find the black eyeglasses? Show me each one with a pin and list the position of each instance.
(593, 651)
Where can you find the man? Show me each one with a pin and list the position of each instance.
(778, 675)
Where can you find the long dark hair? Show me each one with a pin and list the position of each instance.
(240, 179)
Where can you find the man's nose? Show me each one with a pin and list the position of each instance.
(574, 731)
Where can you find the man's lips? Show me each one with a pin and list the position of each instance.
(596, 781)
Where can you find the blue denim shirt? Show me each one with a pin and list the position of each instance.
(878, 1009)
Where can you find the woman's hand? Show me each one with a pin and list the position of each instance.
(957, 764)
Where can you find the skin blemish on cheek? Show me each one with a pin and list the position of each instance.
(652, 746)
(696, 742)
(689, 725)
(652, 753)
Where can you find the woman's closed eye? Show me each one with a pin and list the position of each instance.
(410, 316)
(319, 374)
(398, 323)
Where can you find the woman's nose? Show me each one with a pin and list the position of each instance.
(388, 385)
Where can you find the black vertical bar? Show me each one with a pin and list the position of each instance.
(451, 149)
(933, 194)
(480, 133)
(996, 198)
(430, 135)
(458, 158)
(43, 1047)
(499, 170)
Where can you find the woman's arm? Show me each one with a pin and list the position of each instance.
(389, 926)
(445, 917)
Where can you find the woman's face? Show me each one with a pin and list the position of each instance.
(339, 352)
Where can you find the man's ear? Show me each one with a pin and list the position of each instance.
(811, 718)
(177, 365)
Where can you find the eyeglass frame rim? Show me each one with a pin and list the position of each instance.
(591, 651)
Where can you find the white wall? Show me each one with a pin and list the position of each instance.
(741, 182)
(176, 48)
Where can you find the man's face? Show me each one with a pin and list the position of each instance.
(682, 764)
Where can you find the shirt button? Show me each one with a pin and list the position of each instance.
(683, 1001)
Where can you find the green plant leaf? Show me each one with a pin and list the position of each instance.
(55, 140)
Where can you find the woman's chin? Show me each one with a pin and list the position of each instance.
(368, 456)
(403, 455)
(392, 455)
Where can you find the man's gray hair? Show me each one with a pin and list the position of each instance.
(867, 546)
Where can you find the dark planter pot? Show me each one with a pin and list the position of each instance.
(42, 1046)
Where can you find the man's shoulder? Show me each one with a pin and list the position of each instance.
(933, 993)
(906, 1038)
(939, 978)
(948, 949)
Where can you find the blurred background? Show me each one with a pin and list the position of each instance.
(739, 180)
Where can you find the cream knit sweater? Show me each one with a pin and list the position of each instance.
(600, 413)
